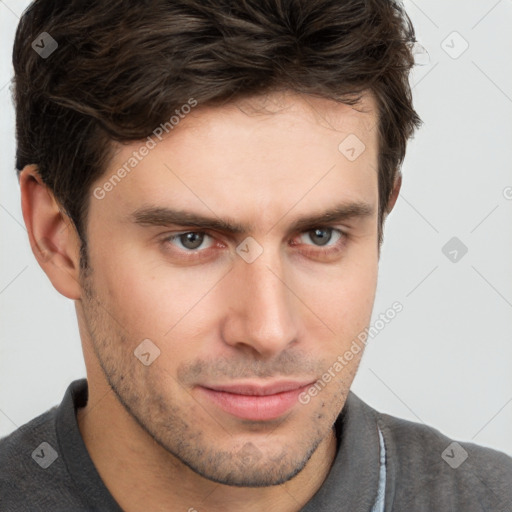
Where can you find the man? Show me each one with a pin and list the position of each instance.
(208, 181)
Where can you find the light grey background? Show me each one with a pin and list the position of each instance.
(445, 360)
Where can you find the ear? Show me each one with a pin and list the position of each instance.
(52, 235)
(394, 193)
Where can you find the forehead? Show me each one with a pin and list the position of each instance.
(256, 158)
(270, 113)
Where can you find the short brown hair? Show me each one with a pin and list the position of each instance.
(122, 67)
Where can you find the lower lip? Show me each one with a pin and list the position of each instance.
(255, 407)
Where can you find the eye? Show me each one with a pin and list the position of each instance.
(326, 242)
(322, 236)
(190, 240)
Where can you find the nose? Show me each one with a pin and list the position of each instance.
(260, 318)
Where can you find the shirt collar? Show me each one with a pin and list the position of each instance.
(353, 482)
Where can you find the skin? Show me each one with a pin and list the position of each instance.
(154, 436)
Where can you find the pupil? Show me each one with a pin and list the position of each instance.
(192, 240)
(323, 236)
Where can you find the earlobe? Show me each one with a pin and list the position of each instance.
(51, 233)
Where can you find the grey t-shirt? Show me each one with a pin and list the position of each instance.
(45, 466)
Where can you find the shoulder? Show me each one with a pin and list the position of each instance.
(433, 470)
(32, 471)
(15, 447)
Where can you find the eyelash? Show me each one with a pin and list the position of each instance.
(319, 251)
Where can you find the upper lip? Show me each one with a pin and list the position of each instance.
(255, 389)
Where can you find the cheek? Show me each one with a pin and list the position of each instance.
(343, 296)
(150, 298)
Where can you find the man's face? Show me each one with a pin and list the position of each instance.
(244, 326)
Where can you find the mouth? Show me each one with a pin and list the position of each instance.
(255, 401)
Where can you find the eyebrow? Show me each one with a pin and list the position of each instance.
(159, 216)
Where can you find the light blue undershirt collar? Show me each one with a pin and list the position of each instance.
(379, 502)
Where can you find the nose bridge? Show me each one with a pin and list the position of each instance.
(261, 315)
